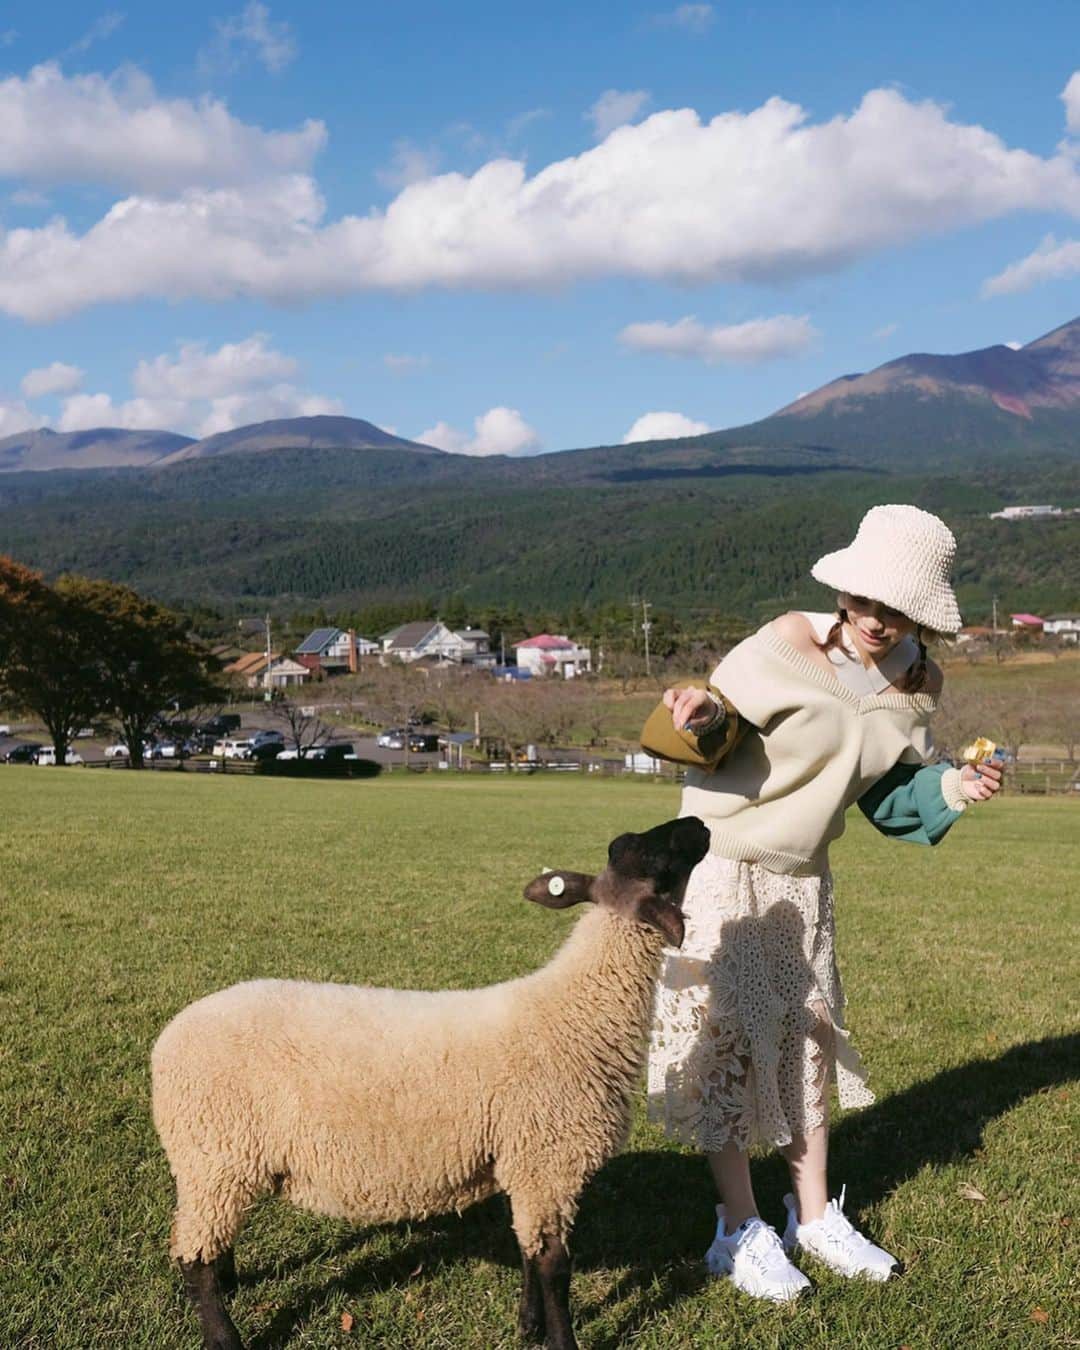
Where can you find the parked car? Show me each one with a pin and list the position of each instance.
(5, 730)
(47, 755)
(393, 738)
(117, 751)
(232, 748)
(23, 754)
(221, 725)
(264, 750)
(422, 742)
(267, 737)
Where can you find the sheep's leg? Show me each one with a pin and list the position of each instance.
(203, 1284)
(225, 1265)
(553, 1270)
(531, 1320)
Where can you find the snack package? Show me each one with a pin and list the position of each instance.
(979, 751)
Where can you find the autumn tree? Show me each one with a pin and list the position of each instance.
(49, 654)
(145, 661)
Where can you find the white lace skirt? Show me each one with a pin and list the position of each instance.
(748, 1027)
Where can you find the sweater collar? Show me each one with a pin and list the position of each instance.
(918, 702)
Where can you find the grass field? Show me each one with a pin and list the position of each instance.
(126, 895)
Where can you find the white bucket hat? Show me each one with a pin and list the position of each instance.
(901, 557)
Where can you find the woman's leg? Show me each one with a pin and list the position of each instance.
(808, 1153)
(807, 1159)
(731, 1172)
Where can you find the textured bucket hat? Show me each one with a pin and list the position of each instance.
(901, 557)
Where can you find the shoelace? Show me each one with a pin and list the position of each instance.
(838, 1228)
(763, 1247)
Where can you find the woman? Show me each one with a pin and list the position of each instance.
(809, 715)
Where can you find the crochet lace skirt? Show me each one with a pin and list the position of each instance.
(748, 1025)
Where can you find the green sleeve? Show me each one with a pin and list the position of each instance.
(914, 802)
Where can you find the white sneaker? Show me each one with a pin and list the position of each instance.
(834, 1240)
(753, 1259)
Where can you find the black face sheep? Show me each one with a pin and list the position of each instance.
(377, 1105)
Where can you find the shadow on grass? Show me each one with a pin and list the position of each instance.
(649, 1214)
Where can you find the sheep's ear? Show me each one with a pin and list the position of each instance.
(666, 918)
(560, 890)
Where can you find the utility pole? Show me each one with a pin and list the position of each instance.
(645, 626)
(266, 678)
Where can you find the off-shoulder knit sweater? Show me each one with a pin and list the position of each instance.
(813, 749)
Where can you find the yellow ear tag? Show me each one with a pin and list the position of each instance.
(556, 886)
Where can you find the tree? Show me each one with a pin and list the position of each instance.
(306, 729)
(49, 654)
(146, 662)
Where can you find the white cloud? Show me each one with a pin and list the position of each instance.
(195, 373)
(614, 108)
(740, 343)
(251, 33)
(663, 426)
(746, 197)
(409, 164)
(57, 378)
(1051, 261)
(16, 416)
(499, 431)
(403, 363)
(203, 392)
(1070, 96)
(694, 18)
(885, 331)
(100, 28)
(56, 128)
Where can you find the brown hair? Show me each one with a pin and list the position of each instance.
(913, 680)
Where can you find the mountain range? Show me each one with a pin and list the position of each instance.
(333, 512)
(996, 399)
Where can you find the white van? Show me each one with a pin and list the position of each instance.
(47, 755)
(233, 749)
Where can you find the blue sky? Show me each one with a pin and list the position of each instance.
(519, 229)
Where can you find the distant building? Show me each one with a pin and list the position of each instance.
(553, 654)
(334, 651)
(431, 639)
(1025, 512)
(1064, 626)
(251, 668)
(974, 632)
(1028, 623)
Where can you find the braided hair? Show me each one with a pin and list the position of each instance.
(913, 680)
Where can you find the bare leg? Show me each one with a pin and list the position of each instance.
(731, 1172)
(807, 1158)
(808, 1154)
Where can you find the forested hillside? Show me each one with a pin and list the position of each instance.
(694, 529)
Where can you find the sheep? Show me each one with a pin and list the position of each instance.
(378, 1105)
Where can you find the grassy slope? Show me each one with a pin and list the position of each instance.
(125, 896)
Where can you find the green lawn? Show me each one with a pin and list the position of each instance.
(126, 895)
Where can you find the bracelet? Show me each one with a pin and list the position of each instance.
(716, 721)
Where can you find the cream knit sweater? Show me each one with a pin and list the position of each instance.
(813, 749)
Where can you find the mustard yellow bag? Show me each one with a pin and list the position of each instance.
(662, 738)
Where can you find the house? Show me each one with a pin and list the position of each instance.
(1027, 623)
(428, 639)
(974, 632)
(1064, 626)
(251, 668)
(553, 654)
(1025, 512)
(334, 651)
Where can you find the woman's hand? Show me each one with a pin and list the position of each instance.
(979, 782)
(689, 706)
